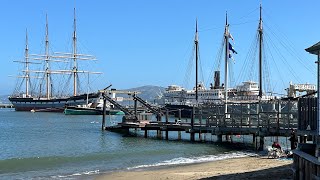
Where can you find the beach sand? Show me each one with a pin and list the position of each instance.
(259, 167)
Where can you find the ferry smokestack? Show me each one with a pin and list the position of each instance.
(216, 79)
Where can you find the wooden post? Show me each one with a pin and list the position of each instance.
(179, 135)
(278, 116)
(258, 113)
(104, 112)
(179, 118)
(200, 116)
(254, 141)
(192, 125)
(289, 110)
(159, 132)
(135, 105)
(248, 116)
(167, 121)
(200, 122)
(219, 138)
(227, 137)
(145, 133)
(241, 115)
(261, 143)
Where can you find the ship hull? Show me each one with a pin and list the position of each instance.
(72, 110)
(186, 111)
(49, 105)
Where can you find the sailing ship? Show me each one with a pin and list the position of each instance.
(38, 101)
(176, 97)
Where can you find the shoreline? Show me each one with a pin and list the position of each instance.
(234, 168)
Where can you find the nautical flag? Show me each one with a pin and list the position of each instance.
(232, 49)
(231, 57)
(230, 36)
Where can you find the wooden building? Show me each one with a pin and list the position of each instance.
(306, 158)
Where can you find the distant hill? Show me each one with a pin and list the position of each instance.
(4, 99)
(148, 92)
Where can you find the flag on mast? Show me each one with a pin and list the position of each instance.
(232, 49)
(230, 36)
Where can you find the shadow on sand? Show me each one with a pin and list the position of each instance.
(281, 172)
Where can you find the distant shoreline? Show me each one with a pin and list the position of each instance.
(235, 168)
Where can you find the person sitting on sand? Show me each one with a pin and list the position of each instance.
(276, 145)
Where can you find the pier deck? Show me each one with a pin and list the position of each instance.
(6, 106)
(203, 128)
(259, 119)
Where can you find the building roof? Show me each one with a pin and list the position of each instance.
(314, 49)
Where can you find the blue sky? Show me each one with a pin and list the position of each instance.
(143, 42)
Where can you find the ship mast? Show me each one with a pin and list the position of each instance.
(27, 64)
(75, 69)
(75, 57)
(260, 53)
(196, 41)
(47, 71)
(226, 39)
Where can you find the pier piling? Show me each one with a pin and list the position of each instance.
(104, 113)
(179, 118)
(192, 125)
(261, 146)
(219, 138)
(167, 121)
(146, 133)
(179, 135)
(254, 141)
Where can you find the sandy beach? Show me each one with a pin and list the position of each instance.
(240, 168)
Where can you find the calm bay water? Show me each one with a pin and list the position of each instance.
(53, 145)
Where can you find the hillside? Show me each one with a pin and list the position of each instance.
(4, 99)
(148, 92)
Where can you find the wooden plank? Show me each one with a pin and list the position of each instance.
(301, 168)
(307, 171)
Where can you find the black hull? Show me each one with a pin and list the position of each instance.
(49, 105)
(186, 111)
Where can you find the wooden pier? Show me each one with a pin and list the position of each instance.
(6, 106)
(259, 119)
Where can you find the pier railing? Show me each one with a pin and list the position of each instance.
(270, 115)
(6, 106)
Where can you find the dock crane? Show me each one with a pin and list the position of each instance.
(129, 115)
(154, 110)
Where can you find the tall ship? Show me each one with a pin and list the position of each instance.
(38, 94)
(176, 97)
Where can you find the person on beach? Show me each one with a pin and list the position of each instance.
(275, 151)
(276, 145)
(293, 139)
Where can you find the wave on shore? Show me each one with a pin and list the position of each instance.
(193, 160)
